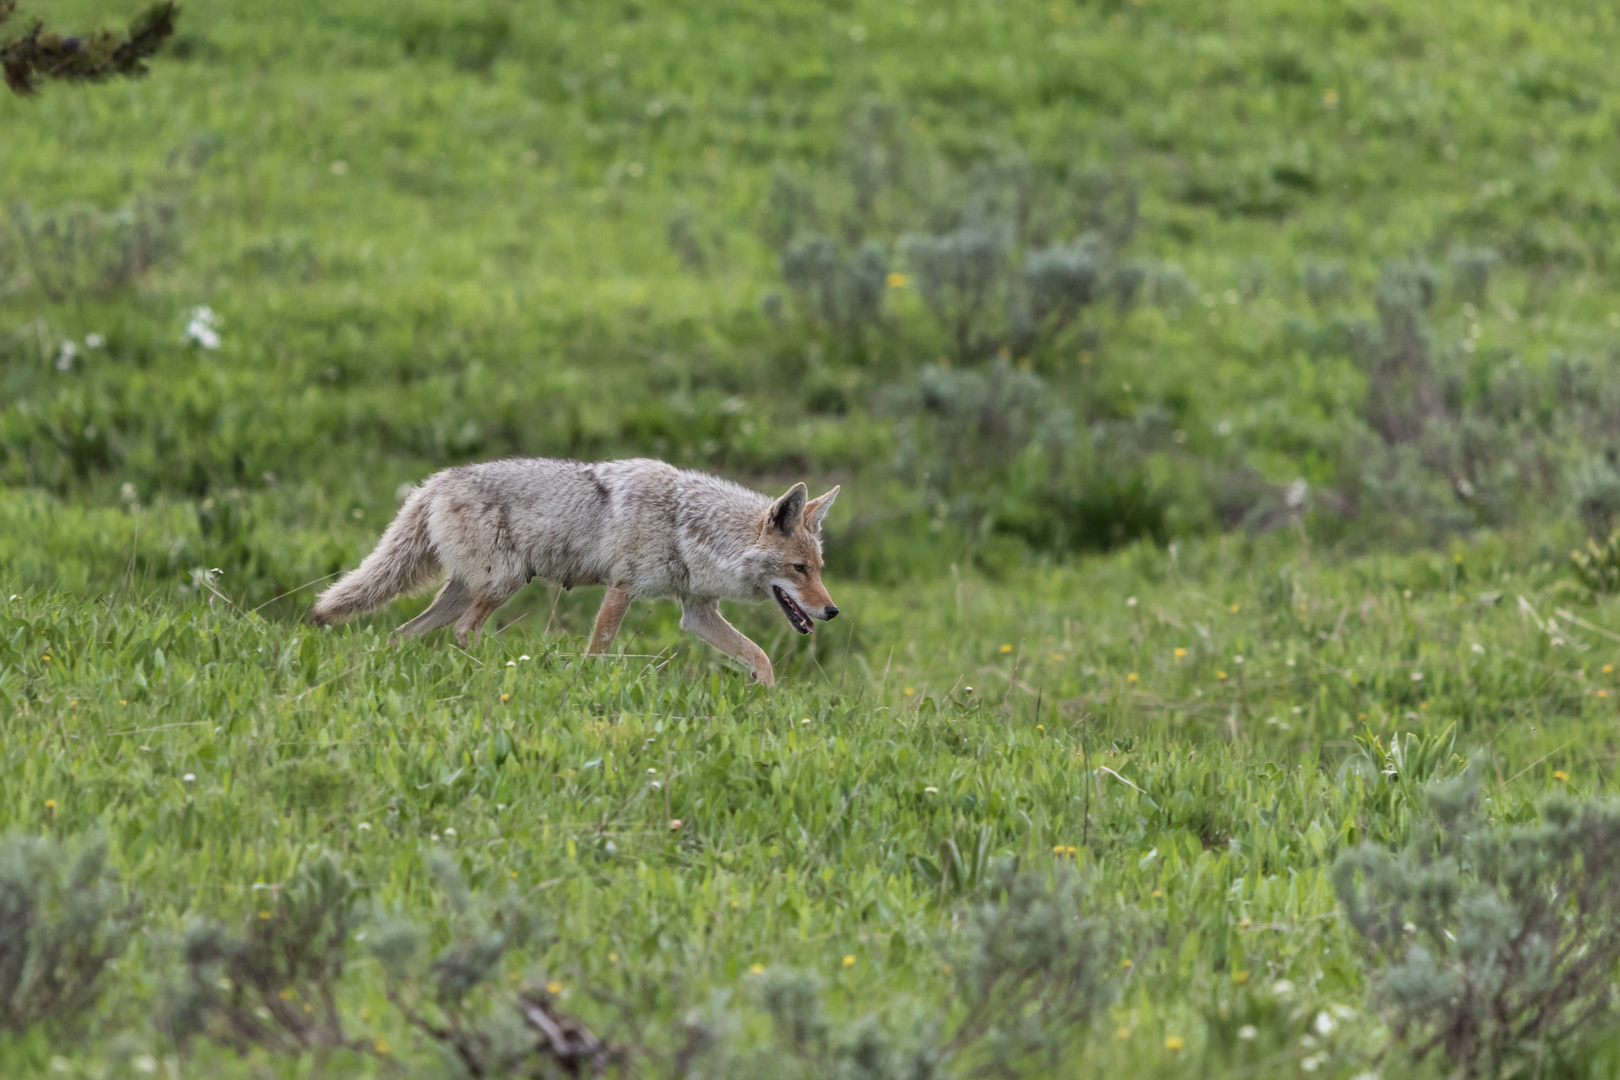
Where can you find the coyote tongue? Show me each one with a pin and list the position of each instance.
(797, 617)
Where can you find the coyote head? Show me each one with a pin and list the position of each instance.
(788, 556)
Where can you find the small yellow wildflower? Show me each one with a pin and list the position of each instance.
(1125, 963)
(1040, 729)
(1122, 1033)
(1240, 977)
(1330, 98)
(756, 969)
(1057, 656)
(47, 658)
(1608, 669)
(1174, 1043)
(1233, 609)
(613, 958)
(910, 690)
(1158, 894)
(1181, 653)
(849, 961)
(50, 804)
(1220, 675)
(897, 281)
(264, 914)
(1132, 678)
(554, 987)
(1560, 775)
(505, 698)
(288, 993)
(381, 1044)
(1057, 849)
(1603, 693)
(1361, 716)
(1072, 850)
(1006, 648)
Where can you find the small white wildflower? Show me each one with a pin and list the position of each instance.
(365, 826)
(1248, 1033)
(1477, 647)
(339, 168)
(66, 355)
(1130, 601)
(449, 832)
(1312, 1063)
(931, 789)
(525, 656)
(190, 778)
(202, 327)
(1417, 676)
(511, 663)
(94, 341)
(146, 1063)
(1282, 988)
(1324, 1024)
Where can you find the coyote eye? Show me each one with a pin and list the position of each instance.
(800, 567)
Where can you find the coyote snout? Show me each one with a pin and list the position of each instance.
(639, 527)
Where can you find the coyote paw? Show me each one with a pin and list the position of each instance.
(760, 668)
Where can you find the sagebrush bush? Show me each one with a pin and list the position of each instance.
(64, 920)
(960, 275)
(837, 289)
(1595, 491)
(1492, 944)
(1471, 272)
(458, 999)
(1030, 967)
(71, 251)
(274, 983)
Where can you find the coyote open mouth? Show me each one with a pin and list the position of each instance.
(797, 617)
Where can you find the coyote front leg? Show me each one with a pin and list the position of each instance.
(615, 603)
(703, 618)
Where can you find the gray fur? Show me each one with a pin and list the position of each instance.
(644, 528)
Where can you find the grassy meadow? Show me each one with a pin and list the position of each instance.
(1217, 392)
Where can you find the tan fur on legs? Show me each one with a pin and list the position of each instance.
(446, 608)
(615, 603)
(471, 625)
(703, 618)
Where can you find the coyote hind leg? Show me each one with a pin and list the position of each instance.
(452, 600)
(615, 602)
(471, 625)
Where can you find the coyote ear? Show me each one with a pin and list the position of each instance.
(817, 508)
(786, 511)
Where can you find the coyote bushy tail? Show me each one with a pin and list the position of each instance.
(403, 562)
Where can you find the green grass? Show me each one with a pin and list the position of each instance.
(437, 233)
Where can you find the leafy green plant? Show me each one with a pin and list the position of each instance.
(64, 921)
(1492, 944)
(1597, 566)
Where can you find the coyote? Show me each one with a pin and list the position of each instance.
(640, 527)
